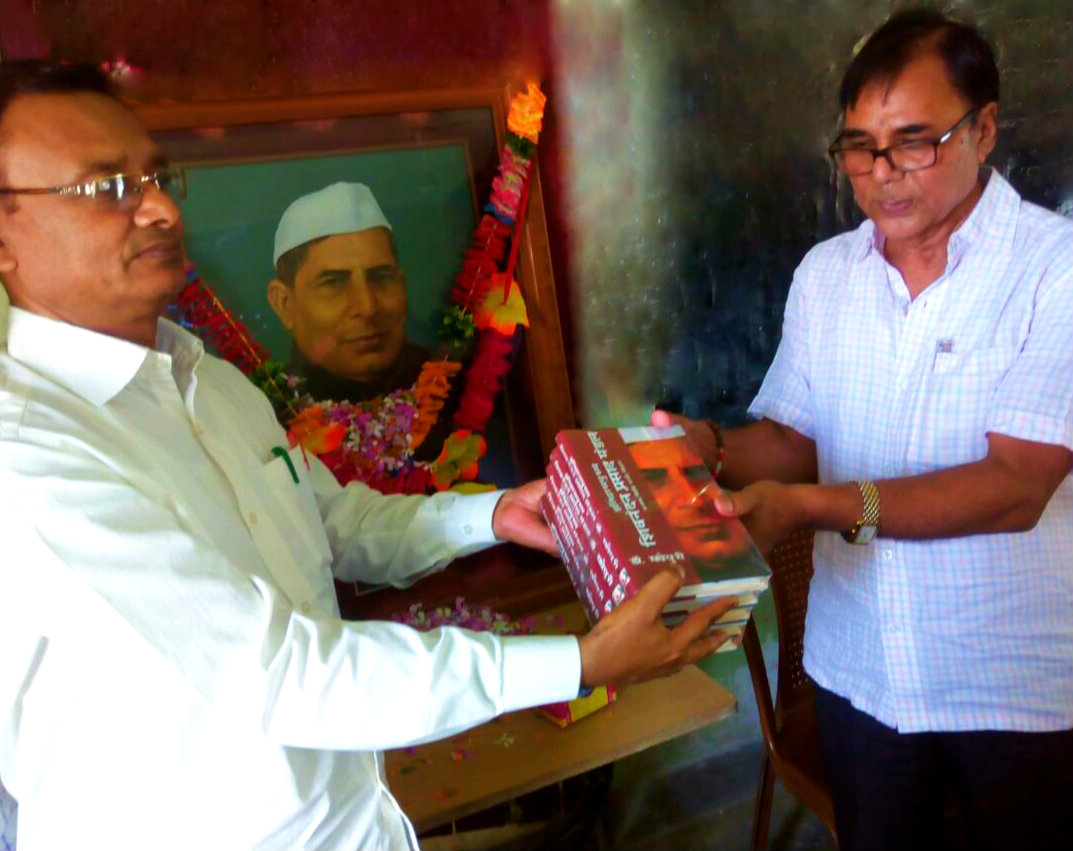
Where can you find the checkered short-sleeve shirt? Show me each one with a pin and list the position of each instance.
(970, 633)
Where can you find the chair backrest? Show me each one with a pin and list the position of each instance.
(791, 569)
(754, 655)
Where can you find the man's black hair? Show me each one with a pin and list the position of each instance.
(966, 54)
(34, 76)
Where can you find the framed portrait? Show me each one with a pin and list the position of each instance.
(429, 159)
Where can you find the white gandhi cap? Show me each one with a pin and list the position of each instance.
(339, 208)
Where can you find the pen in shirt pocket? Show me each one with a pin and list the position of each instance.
(280, 452)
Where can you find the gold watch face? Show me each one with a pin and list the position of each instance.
(865, 535)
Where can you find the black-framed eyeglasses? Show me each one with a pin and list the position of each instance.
(120, 191)
(911, 155)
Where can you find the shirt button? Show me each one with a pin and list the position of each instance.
(468, 529)
(253, 517)
(894, 629)
(887, 555)
(306, 608)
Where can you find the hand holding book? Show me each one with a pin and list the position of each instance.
(518, 518)
(630, 644)
(624, 505)
(771, 511)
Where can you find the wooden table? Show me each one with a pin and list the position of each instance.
(521, 752)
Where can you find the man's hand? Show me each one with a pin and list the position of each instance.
(770, 511)
(631, 644)
(517, 518)
(697, 431)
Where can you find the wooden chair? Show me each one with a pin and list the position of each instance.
(791, 741)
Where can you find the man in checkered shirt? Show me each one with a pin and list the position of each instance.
(921, 403)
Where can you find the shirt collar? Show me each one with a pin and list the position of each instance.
(993, 220)
(866, 239)
(93, 365)
(186, 350)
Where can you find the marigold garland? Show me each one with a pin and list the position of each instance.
(483, 379)
(431, 390)
(487, 248)
(507, 188)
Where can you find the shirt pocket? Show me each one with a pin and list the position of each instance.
(301, 523)
(953, 405)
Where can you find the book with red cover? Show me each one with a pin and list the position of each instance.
(627, 503)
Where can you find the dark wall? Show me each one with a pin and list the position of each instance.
(213, 49)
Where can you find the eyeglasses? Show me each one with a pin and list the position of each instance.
(117, 191)
(913, 155)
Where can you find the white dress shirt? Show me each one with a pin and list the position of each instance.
(174, 671)
(968, 633)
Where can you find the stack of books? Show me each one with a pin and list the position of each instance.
(624, 504)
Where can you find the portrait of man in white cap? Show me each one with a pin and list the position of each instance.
(341, 293)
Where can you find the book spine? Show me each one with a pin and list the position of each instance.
(564, 528)
(597, 585)
(604, 559)
(611, 580)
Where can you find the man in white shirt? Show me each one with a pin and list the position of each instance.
(924, 381)
(174, 671)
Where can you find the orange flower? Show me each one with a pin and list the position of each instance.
(460, 458)
(503, 316)
(314, 433)
(527, 113)
(431, 390)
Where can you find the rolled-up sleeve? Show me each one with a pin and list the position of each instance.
(785, 394)
(1034, 400)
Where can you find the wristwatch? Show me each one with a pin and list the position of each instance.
(864, 530)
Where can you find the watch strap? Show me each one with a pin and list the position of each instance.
(864, 530)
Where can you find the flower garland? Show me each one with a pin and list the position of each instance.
(480, 280)
(431, 390)
(201, 308)
(374, 441)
